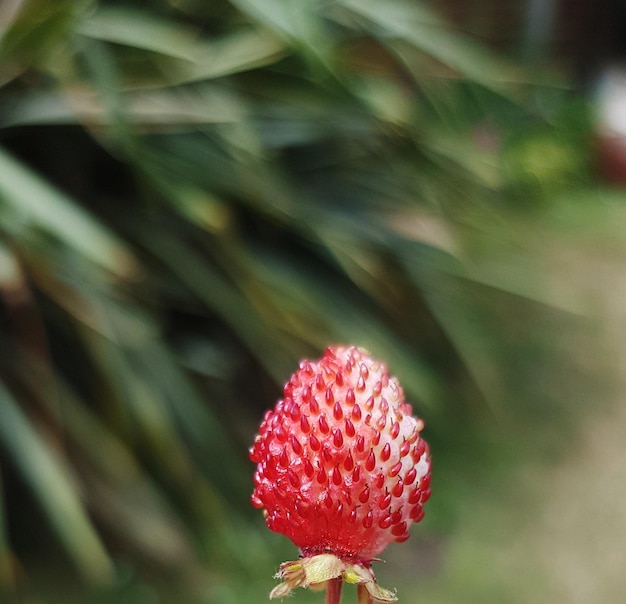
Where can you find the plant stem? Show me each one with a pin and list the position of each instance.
(363, 595)
(333, 591)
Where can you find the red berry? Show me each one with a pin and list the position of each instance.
(341, 469)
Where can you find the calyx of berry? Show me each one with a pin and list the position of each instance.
(316, 571)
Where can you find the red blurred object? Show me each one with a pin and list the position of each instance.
(610, 147)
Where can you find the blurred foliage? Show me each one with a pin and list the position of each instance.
(195, 195)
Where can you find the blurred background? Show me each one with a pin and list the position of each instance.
(195, 195)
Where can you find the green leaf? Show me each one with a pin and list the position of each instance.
(140, 29)
(301, 297)
(37, 28)
(48, 477)
(415, 23)
(241, 50)
(145, 108)
(223, 299)
(298, 21)
(39, 204)
(196, 57)
(6, 570)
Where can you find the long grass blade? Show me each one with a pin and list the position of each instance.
(415, 23)
(54, 488)
(35, 200)
(196, 56)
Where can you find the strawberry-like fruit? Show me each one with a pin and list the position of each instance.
(342, 470)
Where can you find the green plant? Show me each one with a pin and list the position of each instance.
(185, 186)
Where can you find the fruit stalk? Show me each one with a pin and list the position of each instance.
(333, 591)
(363, 595)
